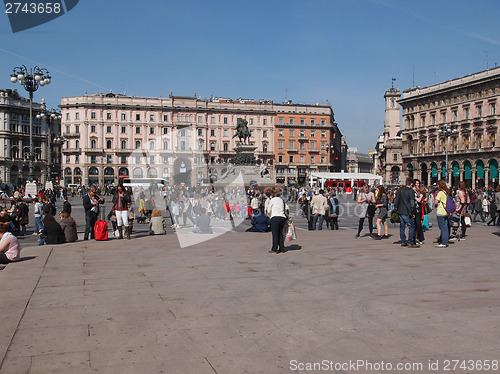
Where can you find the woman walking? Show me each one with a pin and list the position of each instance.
(276, 210)
(382, 203)
(366, 199)
(442, 214)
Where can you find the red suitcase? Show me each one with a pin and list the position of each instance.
(101, 230)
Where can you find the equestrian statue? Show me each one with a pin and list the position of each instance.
(242, 131)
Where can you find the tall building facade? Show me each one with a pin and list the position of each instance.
(457, 119)
(15, 141)
(181, 139)
(389, 160)
(307, 140)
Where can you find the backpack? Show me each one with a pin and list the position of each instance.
(450, 205)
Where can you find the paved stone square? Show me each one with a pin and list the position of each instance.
(228, 306)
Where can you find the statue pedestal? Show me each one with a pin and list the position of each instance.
(245, 148)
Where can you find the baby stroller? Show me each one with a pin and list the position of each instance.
(456, 226)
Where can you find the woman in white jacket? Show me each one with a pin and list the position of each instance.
(276, 210)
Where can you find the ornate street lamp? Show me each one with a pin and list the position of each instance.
(446, 131)
(51, 117)
(30, 79)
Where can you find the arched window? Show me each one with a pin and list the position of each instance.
(77, 144)
(124, 144)
(151, 145)
(264, 147)
(109, 144)
(137, 144)
(93, 144)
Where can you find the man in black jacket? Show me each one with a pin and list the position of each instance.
(22, 216)
(91, 205)
(405, 205)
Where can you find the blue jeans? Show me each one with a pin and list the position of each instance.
(315, 220)
(38, 224)
(410, 222)
(443, 227)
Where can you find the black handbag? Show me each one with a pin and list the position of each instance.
(370, 212)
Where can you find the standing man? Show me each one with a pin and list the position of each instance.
(319, 205)
(91, 205)
(406, 206)
(38, 216)
(22, 216)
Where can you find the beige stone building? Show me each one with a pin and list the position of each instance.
(457, 119)
(184, 139)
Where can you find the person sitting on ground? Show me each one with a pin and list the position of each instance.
(260, 222)
(10, 249)
(203, 223)
(68, 226)
(157, 225)
(52, 232)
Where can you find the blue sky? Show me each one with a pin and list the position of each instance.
(341, 51)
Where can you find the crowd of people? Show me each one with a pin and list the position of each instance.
(267, 210)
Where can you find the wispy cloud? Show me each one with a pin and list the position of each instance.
(484, 38)
(53, 69)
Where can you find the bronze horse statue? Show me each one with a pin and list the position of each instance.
(242, 131)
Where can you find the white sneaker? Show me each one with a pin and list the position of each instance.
(441, 246)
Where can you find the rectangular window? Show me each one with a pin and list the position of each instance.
(280, 132)
(123, 160)
(313, 133)
(264, 134)
(292, 133)
(151, 117)
(212, 119)
(323, 159)
(313, 144)
(313, 159)
(151, 130)
(251, 121)
(109, 159)
(302, 146)
(264, 121)
(108, 129)
(77, 159)
(479, 110)
(137, 129)
(280, 121)
(200, 119)
(200, 132)
(443, 117)
(212, 132)
(77, 129)
(226, 132)
(291, 159)
(225, 120)
(179, 118)
(291, 121)
(77, 115)
(302, 159)
(493, 109)
(323, 133)
(323, 122)
(92, 128)
(124, 130)
(312, 122)
(68, 159)
(108, 115)
(433, 119)
(395, 157)
(165, 117)
(67, 116)
(455, 115)
(280, 158)
(92, 115)
(124, 116)
(93, 159)
(137, 117)
(281, 144)
(212, 146)
(302, 121)
(292, 144)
